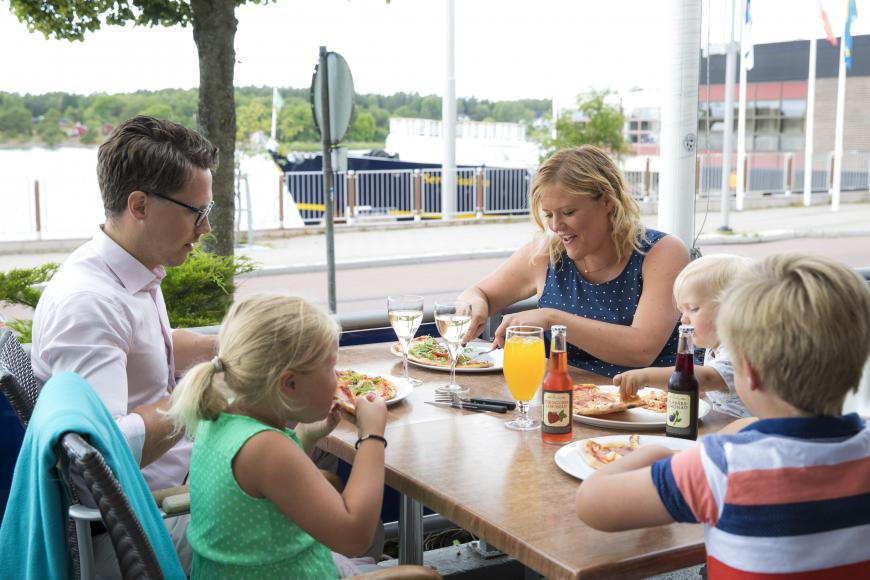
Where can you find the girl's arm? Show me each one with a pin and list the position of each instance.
(515, 280)
(636, 345)
(271, 466)
(622, 496)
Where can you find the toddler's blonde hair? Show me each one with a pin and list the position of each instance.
(262, 337)
(803, 323)
(714, 272)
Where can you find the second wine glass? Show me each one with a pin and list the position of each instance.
(453, 319)
(524, 365)
(406, 314)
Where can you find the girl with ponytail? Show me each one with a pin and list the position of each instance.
(259, 506)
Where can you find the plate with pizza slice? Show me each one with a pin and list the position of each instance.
(429, 352)
(582, 457)
(601, 406)
(353, 384)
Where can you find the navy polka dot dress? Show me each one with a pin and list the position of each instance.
(614, 302)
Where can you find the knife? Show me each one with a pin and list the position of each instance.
(471, 406)
(509, 405)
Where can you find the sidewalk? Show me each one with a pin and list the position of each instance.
(360, 246)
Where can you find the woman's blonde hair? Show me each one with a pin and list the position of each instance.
(589, 172)
(803, 323)
(714, 272)
(262, 337)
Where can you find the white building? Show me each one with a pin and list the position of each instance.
(477, 143)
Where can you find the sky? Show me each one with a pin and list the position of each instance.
(505, 49)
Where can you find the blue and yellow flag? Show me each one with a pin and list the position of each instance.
(851, 14)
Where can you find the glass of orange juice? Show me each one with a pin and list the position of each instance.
(524, 365)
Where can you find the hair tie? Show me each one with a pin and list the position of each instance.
(217, 364)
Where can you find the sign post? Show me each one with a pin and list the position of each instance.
(332, 107)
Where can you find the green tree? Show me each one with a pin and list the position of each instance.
(600, 124)
(49, 128)
(362, 129)
(252, 117)
(16, 122)
(214, 30)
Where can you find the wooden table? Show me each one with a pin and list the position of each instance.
(501, 485)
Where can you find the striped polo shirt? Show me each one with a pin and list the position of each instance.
(781, 498)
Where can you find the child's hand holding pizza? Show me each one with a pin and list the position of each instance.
(371, 414)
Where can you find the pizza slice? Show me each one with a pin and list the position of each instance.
(599, 454)
(592, 400)
(655, 401)
(353, 384)
(427, 350)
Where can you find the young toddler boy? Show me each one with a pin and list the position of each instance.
(787, 495)
(698, 291)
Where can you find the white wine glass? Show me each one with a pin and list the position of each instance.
(524, 366)
(406, 314)
(453, 320)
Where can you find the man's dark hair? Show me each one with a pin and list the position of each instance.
(151, 155)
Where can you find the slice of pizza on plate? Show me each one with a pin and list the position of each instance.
(353, 384)
(592, 400)
(599, 454)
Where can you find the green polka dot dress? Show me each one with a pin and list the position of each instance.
(232, 534)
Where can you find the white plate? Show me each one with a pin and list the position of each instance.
(476, 346)
(570, 457)
(637, 419)
(403, 389)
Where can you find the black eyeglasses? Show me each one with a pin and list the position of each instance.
(201, 214)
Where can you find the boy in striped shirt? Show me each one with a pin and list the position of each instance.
(787, 494)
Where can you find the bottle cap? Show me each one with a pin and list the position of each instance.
(687, 328)
(559, 328)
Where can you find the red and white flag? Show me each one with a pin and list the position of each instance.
(826, 22)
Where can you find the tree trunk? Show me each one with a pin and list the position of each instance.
(214, 31)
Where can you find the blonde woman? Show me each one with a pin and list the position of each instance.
(594, 268)
(260, 508)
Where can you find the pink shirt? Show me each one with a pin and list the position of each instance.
(103, 316)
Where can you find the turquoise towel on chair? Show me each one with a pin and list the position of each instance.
(33, 534)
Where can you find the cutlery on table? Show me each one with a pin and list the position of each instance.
(509, 405)
(470, 406)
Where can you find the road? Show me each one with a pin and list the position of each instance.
(365, 289)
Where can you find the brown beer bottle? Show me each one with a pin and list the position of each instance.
(557, 421)
(682, 419)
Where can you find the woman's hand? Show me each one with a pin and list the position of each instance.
(543, 317)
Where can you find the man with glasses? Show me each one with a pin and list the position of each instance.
(103, 316)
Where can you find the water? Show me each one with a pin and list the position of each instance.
(69, 196)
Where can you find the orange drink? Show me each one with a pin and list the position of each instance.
(524, 364)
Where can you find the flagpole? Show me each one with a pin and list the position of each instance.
(838, 133)
(811, 112)
(741, 118)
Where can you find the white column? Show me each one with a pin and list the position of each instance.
(808, 129)
(448, 118)
(680, 121)
(838, 132)
(730, 63)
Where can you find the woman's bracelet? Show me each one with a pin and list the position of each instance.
(366, 437)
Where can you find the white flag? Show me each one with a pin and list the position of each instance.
(746, 39)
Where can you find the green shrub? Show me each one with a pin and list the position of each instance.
(197, 293)
(200, 291)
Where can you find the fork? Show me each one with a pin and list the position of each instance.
(454, 398)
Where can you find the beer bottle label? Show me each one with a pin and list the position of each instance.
(679, 410)
(557, 409)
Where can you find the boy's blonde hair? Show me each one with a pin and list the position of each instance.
(262, 337)
(587, 171)
(803, 323)
(713, 272)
